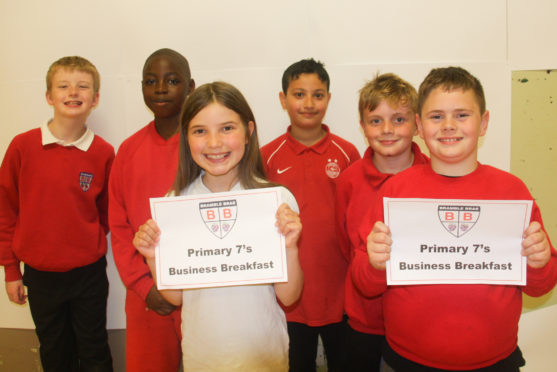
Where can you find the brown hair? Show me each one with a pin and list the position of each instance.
(450, 78)
(250, 171)
(74, 63)
(388, 87)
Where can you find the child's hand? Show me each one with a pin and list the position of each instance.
(16, 292)
(146, 238)
(156, 302)
(379, 245)
(535, 246)
(289, 225)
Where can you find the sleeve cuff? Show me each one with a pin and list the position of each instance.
(12, 272)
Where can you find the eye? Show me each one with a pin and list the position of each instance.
(462, 115)
(173, 81)
(62, 86)
(298, 94)
(197, 131)
(435, 117)
(375, 121)
(149, 82)
(399, 120)
(228, 128)
(319, 95)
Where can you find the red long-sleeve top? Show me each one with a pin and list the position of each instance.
(53, 204)
(355, 186)
(145, 167)
(452, 326)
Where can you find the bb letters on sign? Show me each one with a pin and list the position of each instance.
(454, 241)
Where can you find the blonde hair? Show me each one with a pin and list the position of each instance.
(250, 170)
(388, 87)
(74, 63)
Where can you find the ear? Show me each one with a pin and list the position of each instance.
(419, 126)
(192, 86)
(282, 98)
(251, 128)
(484, 123)
(96, 100)
(361, 123)
(49, 98)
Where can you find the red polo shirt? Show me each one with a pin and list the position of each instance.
(311, 174)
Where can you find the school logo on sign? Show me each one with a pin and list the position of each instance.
(85, 180)
(458, 219)
(219, 216)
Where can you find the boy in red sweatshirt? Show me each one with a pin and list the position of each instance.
(145, 167)
(53, 218)
(387, 107)
(456, 327)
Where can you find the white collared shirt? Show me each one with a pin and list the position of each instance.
(83, 143)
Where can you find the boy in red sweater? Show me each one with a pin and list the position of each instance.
(145, 167)
(53, 218)
(387, 109)
(308, 159)
(470, 327)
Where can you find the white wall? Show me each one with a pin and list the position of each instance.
(249, 43)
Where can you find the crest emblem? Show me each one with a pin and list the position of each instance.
(219, 216)
(458, 219)
(332, 168)
(85, 180)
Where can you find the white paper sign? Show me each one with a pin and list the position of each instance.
(219, 239)
(456, 241)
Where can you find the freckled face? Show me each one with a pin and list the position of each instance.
(451, 125)
(72, 93)
(165, 86)
(389, 130)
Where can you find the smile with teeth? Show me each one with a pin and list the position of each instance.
(217, 156)
(73, 103)
(450, 140)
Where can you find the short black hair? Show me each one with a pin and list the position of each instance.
(304, 66)
(180, 60)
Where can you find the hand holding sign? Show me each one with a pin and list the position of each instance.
(379, 245)
(535, 246)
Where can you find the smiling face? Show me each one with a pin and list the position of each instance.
(306, 101)
(166, 84)
(217, 139)
(450, 124)
(389, 130)
(72, 94)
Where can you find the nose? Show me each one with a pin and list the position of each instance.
(213, 139)
(448, 125)
(72, 90)
(387, 127)
(308, 101)
(161, 87)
